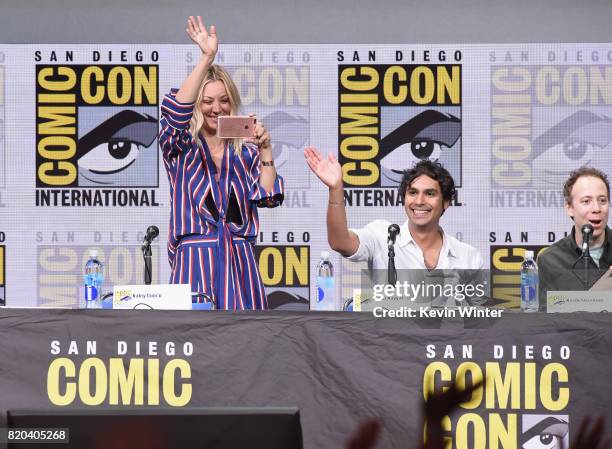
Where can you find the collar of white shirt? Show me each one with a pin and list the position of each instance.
(405, 238)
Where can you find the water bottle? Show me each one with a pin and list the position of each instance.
(325, 283)
(529, 284)
(94, 277)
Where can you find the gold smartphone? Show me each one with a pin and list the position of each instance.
(236, 127)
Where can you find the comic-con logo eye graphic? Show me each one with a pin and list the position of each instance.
(118, 151)
(546, 432)
(289, 134)
(582, 138)
(428, 135)
(284, 300)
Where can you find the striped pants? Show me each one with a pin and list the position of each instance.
(223, 267)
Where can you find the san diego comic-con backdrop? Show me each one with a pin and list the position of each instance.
(80, 166)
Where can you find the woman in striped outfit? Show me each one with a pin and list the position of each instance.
(216, 184)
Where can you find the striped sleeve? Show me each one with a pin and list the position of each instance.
(173, 135)
(257, 193)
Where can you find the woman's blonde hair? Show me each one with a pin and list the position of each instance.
(216, 73)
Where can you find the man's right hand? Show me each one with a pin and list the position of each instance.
(604, 283)
(328, 170)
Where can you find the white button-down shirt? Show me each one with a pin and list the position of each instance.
(454, 255)
(408, 255)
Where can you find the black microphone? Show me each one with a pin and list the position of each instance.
(587, 235)
(152, 233)
(391, 272)
(394, 230)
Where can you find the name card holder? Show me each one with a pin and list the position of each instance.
(154, 297)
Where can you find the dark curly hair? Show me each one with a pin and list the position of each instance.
(579, 173)
(435, 171)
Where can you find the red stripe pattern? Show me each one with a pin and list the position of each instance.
(214, 256)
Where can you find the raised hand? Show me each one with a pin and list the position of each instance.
(365, 436)
(592, 438)
(437, 407)
(328, 170)
(205, 40)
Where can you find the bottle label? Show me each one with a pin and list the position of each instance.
(529, 290)
(325, 292)
(91, 293)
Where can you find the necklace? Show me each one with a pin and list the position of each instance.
(431, 266)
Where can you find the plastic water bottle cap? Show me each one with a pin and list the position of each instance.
(93, 253)
(325, 255)
(528, 254)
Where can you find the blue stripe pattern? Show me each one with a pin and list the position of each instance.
(211, 254)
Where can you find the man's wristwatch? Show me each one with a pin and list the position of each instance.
(267, 163)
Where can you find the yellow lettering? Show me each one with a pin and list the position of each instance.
(57, 147)
(53, 382)
(46, 83)
(513, 174)
(546, 387)
(501, 388)
(393, 76)
(362, 120)
(119, 76)
(168, 383)
(131, 385)
(61, 120)
(547, 85)
(422, 76)
(100, 381)
(449, 85)
(429, 377)
(92, 73)
(297, 265)
(370, 178)
(500, 433)
(476, 374)
(145, 83)
(153, 384)
(365, 147)
(361, 85)
(479, 432)
(274, 276)
(68, 177)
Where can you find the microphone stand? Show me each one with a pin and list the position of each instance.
(391, 272)
(146, 253)
(586, 262)
(586, 258)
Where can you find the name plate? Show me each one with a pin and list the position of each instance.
(578, 301)
(155, 297)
